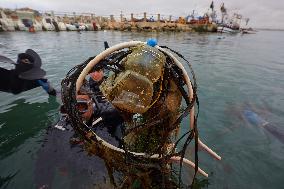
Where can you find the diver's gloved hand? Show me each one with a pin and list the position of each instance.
(47, 87)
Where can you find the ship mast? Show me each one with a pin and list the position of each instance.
(213, 13)
(223, 11)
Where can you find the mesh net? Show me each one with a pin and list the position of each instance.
(150, 137)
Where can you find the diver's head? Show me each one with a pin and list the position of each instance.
(84, 106)
(24, 58)
(97, 75)
(24, 63)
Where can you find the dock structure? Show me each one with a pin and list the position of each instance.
(146, 23)
(60, 21)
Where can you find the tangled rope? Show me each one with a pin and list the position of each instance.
(153, 164)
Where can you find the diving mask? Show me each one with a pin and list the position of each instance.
(84, 106)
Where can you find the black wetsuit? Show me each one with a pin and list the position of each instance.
(94, 85)
(11, 83)
(111, 117)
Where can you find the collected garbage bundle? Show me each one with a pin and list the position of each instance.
(143, 98)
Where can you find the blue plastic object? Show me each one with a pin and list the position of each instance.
(152, 42)
(44, 85)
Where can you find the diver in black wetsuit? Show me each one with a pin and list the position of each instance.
(26, 75)
(96, 111)
(102, 107)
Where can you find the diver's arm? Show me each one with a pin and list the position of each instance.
(10, 83)
(5, 76)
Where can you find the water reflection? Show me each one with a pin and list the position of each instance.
(4, 181)
(22, 121)
(61, 165)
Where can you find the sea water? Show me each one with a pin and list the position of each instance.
(235, 74)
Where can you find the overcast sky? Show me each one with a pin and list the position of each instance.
(262, 13)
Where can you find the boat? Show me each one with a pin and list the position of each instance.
(226, 29)
(205, 23)
(248, 31)
(229, 23)
(147, 111)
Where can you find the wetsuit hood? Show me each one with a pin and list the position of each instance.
(29, 71)
(35, 72)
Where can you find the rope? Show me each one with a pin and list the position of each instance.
(113, 60)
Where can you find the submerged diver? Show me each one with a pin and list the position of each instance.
(26, 75)
(96, 110)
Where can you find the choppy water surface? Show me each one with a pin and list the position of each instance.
(241, 86)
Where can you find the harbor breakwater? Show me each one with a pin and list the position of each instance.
(26, 19)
